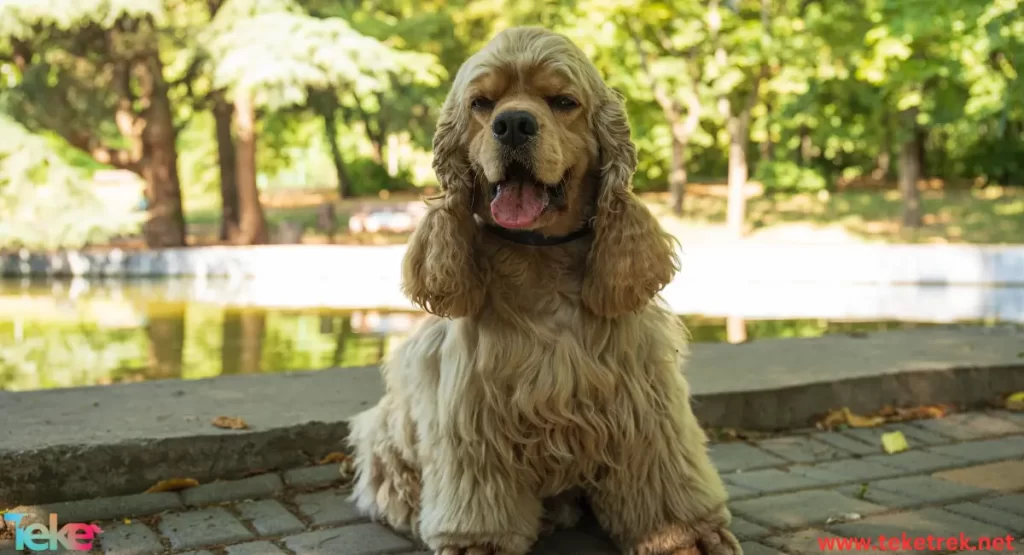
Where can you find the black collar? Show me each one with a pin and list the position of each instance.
(534, 239)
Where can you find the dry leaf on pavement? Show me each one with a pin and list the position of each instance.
(914, 413)
(174, 484)
(230, 423)
(334, 457)
(845, 416)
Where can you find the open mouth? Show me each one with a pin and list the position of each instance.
(520, 198)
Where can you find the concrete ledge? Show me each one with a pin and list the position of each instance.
(873, 263)
(86, 442)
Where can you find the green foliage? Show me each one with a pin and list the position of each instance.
(20, 19)
(37, 185)
(834, 80)
(278, 50)
(368, 178)
(786, 175)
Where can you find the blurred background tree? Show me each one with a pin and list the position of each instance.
(218, 105)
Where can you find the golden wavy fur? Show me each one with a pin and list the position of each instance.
(544, 372)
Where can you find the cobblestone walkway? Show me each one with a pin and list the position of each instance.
(964, 474)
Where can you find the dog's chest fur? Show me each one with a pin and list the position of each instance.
(548, 380)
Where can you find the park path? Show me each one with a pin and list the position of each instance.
(962, 475)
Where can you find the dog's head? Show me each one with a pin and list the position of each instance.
(531, 138)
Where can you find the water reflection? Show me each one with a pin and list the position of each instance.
(73, 346)
(51, 338)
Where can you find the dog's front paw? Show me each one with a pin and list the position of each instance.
(713, 541)
(480, 544)
(475, 550)
(479, 549)
(710, 536)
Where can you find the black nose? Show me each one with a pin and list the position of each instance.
(514, 128)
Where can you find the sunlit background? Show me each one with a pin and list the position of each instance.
(128, 125)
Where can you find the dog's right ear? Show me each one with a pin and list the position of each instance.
(440, 272)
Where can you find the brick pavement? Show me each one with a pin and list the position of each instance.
(963, 474)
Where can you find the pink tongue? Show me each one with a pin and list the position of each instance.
(517, 205)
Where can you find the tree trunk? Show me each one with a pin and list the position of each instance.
(737, 203)
(767, 148)
(806, 147)
(883, 162)
(677, 176)
(223, 113)
(251, 222)
(737, 125)
(922, 152)
(159, 164)
(735, 329)
(242, 343)
(910, 172)
(327, 107)
(165, 329)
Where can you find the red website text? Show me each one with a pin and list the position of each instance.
(905, 542)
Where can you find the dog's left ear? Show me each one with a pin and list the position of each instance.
(632, 257)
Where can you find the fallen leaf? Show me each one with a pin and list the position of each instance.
(127, 521)
(894, 442)
(230, 423)
(846, 417)
(921, 412)
(174, 484)
(833, 419)
(335, 457)
(1015, 402)
(858, 421)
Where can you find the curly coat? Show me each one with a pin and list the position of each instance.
(543, 373)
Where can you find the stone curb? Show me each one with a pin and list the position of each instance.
(788, 263)
(831, 490)
(53, 442)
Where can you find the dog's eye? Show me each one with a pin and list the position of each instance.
(563, 103)
(482, 103)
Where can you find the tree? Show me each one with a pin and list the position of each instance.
(90, 71)
(738, 67)
(272, 54)
(227, 165)
(38, 185)
(400, 107)
(670, 43)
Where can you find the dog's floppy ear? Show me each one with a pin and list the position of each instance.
(632, 257)
(439, 272)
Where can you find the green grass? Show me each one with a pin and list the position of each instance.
(985, 216)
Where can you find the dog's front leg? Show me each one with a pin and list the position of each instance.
(473, 508)
(667, 498)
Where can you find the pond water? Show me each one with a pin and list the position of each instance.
(52, 335)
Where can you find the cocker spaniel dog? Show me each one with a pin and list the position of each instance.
(548, 372)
